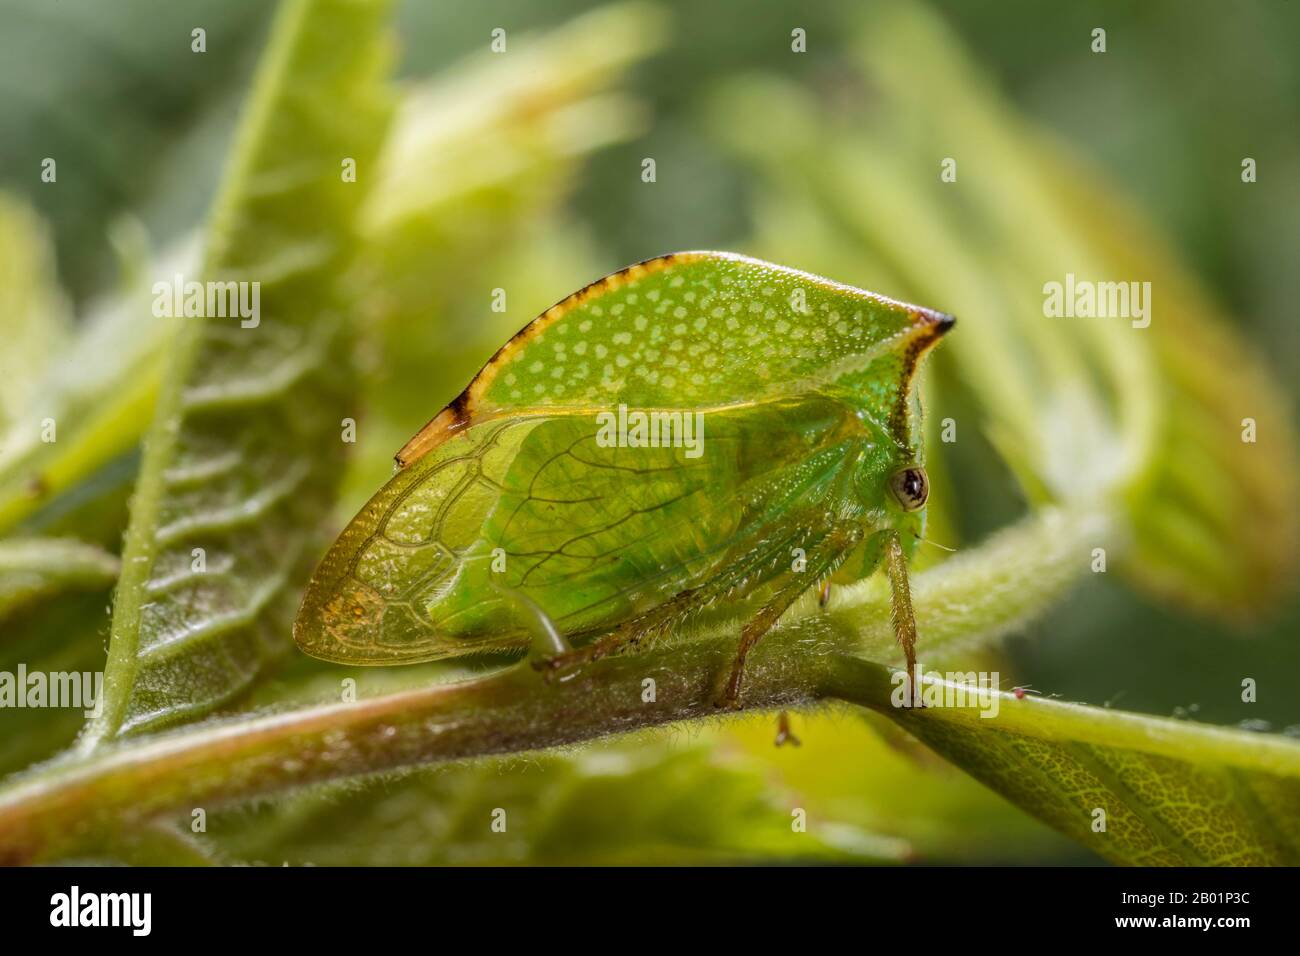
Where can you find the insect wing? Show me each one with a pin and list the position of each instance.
(368, 600)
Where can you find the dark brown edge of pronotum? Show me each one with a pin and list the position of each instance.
(461, 412)
(464, 408)
(930, 327)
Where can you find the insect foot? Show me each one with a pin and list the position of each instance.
(730, 699)
(784, 735)
(559, 666)
(913, 689)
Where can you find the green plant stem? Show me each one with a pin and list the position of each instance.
(133, 784)
(84, 798)
(123, 786)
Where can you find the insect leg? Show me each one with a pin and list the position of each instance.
(751, 565)
(904, 619)
(822, 561)
(784, 735)
(627, 634)
(547, 641)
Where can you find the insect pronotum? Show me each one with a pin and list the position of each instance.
(663, 440)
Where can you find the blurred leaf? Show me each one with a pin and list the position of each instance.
(467, 199)
(630, 803)
(430, 242)
(465, 203)
(1146, 420)
(32, 569)
(1173, 792)
(1216, 520)
(107, 91)
(969, 601)
(245, 449)
(99, 391)
(480, 133)
(871, 774)
(33, 313)
(64, 635)
(94, 510)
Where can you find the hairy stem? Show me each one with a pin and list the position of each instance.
(85, 798)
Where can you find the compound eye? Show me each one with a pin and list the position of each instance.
(911, 488)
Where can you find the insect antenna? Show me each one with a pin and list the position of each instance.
(936, 544)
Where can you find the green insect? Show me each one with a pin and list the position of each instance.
(698, 429)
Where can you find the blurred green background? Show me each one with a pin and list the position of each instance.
(140, 126)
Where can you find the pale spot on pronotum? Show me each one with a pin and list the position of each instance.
(799, 300)
(498, 44)
(498, 300)
(49, 170)
(1247, 170)
(1098, 560)
(198, 561)
(948, 430)
(798, 820)
(1248, 690)
(498, 560)
(948, 170)
(800, 562)
(349, 433)
(48, 431)
(498, 820)
(648, 690)
(798, 40)
(1098, 40)
(348, 172)
(349, 690)
(648, 170)
(1248, 431)
(1098, 820)
(198, 820)
(198, 40)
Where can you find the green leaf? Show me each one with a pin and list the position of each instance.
(99, 392)
(34, 322)
(1148, 419)
(513, 711)
(66, 634)
(32, 569)
(635, 802)
(496, 135)
(1172, 792)
(1216, 519)
(469, 189)
(432, 234)
(860, 770)
(127, 87)
(246, 448)
(848, 203)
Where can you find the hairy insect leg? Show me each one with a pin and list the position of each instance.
(625, 635)
(736, 577)
(822, 561)
(784, 735)
(901, 613)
